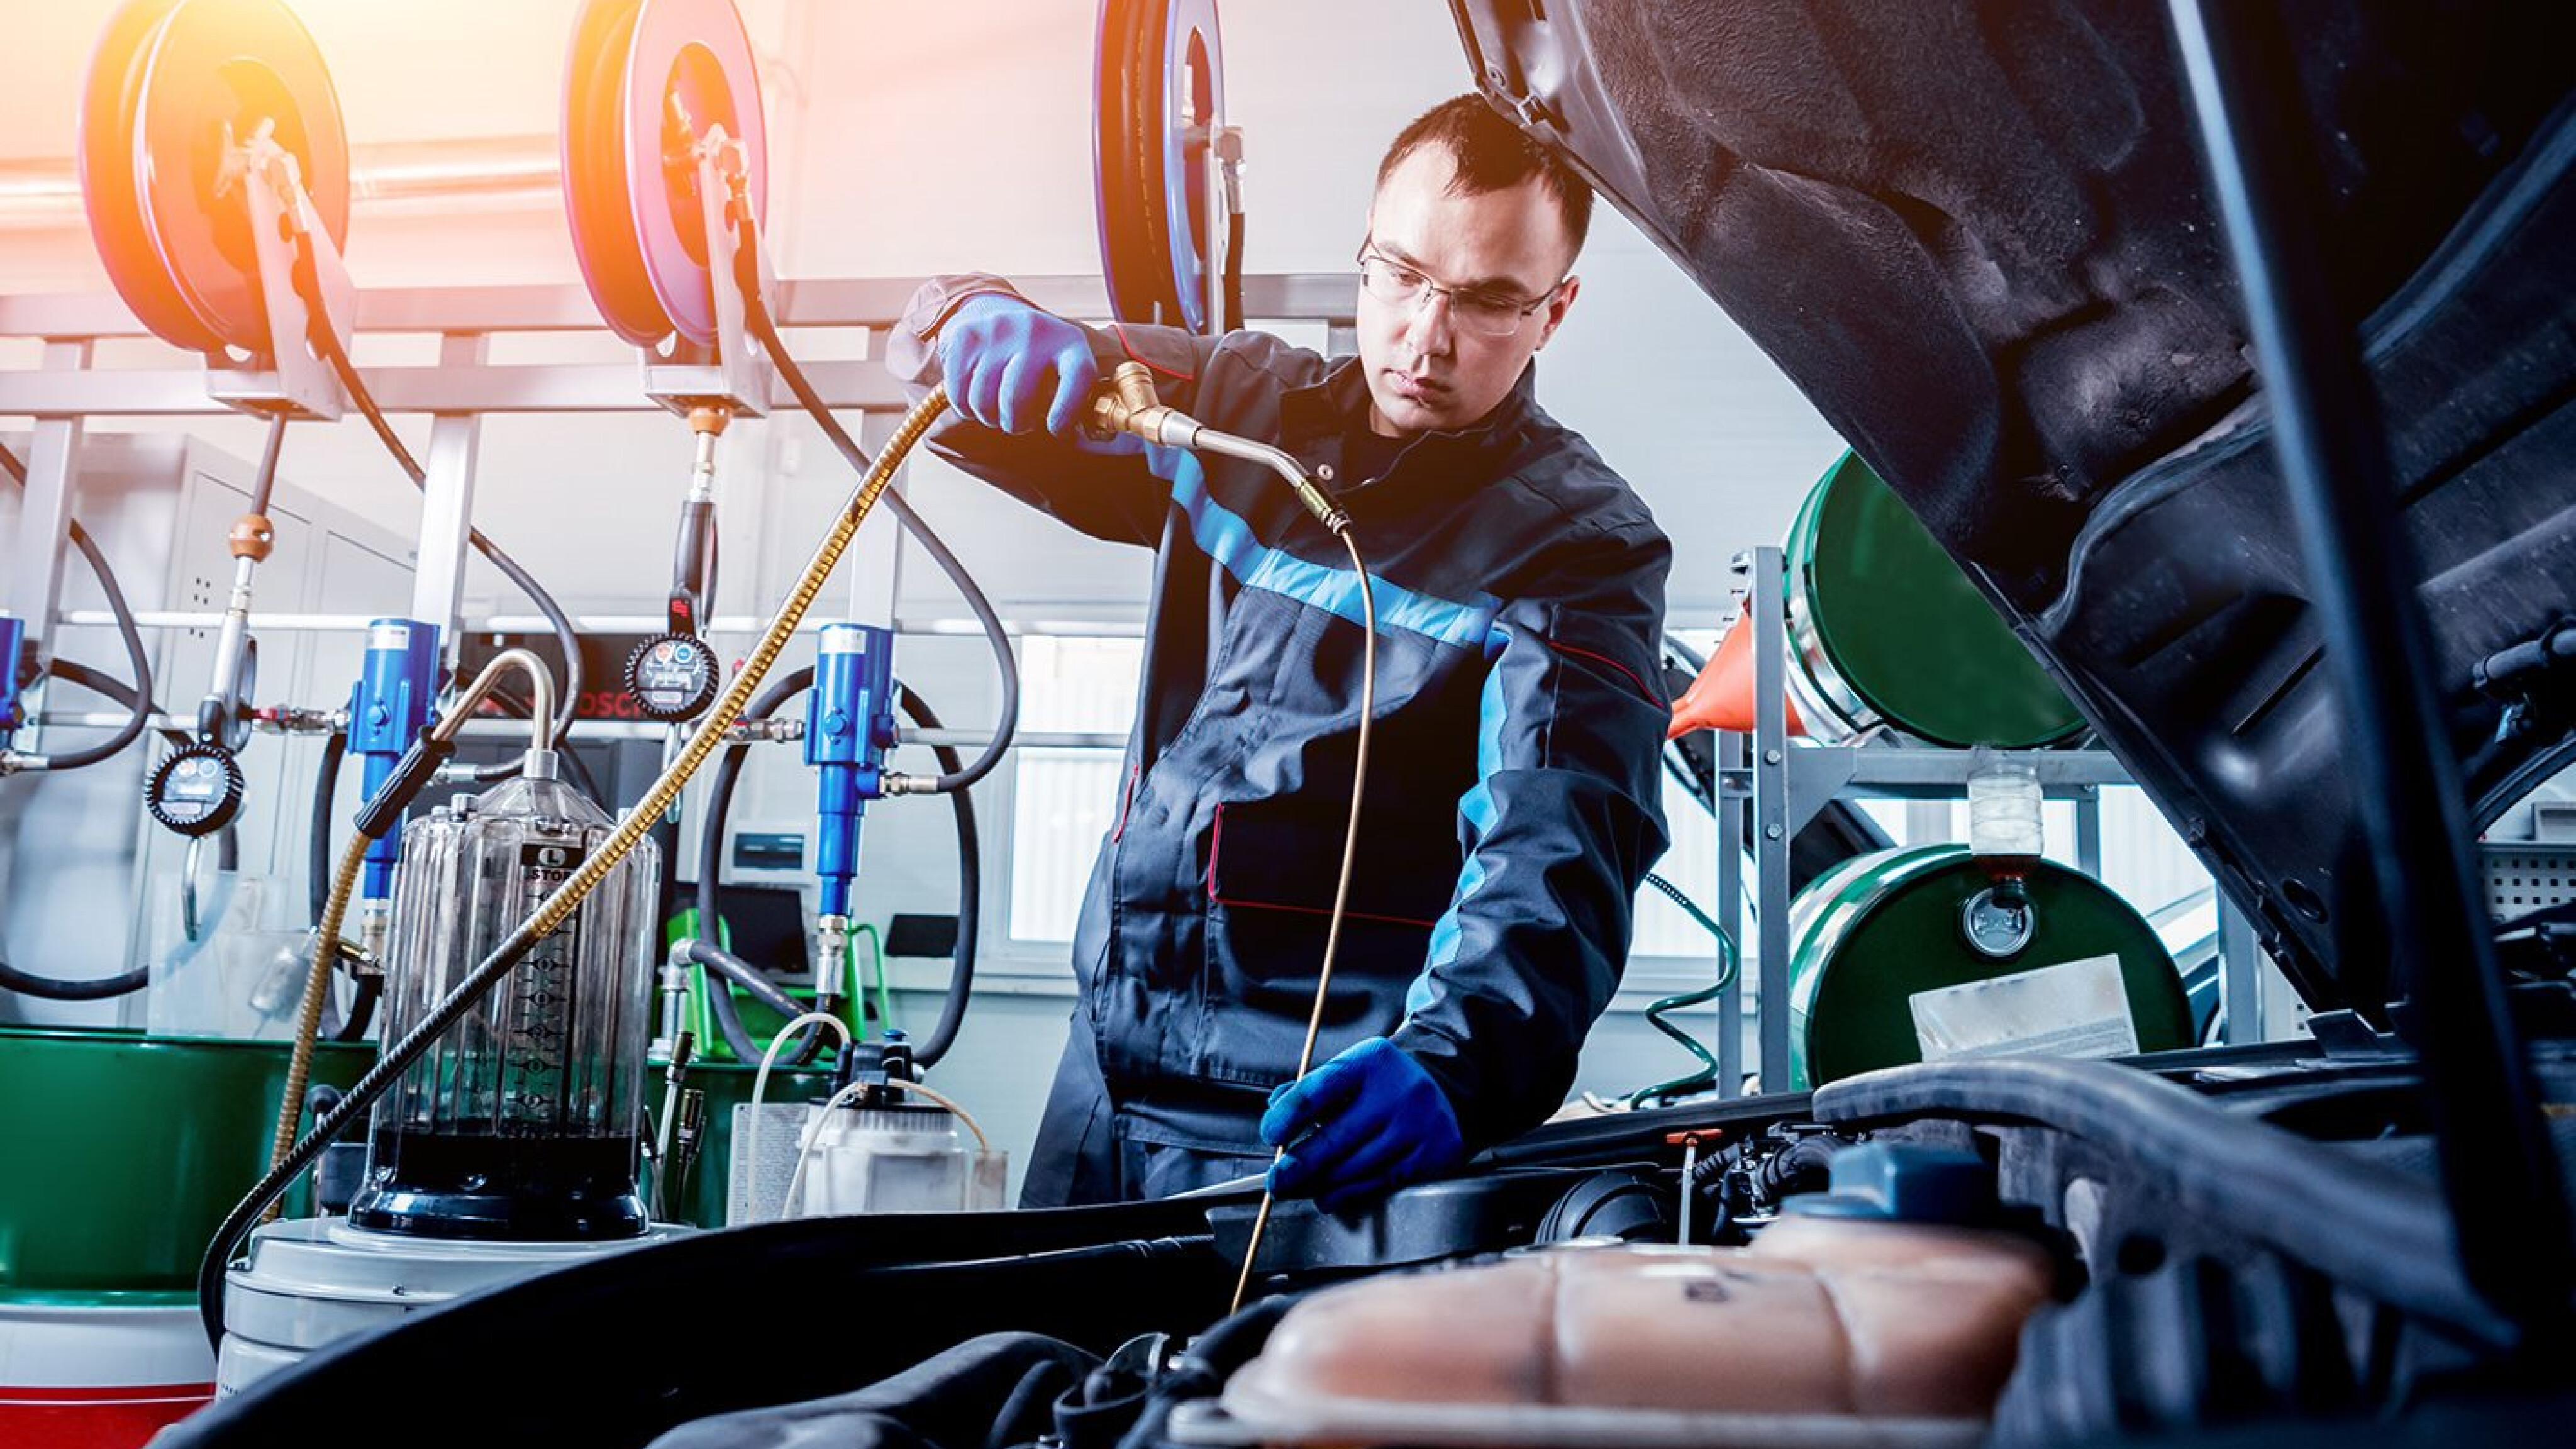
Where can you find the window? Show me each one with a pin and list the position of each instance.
(1066, 798)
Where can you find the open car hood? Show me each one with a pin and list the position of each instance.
(1980, 240)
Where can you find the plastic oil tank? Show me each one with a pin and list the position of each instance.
(1885, 628)
(124, 1152)
(520, 1124)
(1883, 974)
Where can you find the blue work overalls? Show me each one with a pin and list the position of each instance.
(1512, 802)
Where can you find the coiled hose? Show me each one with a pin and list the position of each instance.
(704, 952)
(1706, 1076)
(398, 1057)
(1005, 663)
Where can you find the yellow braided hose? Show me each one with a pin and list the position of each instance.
(308, 1017)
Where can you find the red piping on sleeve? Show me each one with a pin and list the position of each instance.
(1642, 692)
(1134, 356)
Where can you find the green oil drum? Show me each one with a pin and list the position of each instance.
(1881, 966)
(702, 1199)
(123, 1152)
(1885, 628)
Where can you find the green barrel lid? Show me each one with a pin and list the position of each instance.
(1877, 930)
(1884, 623)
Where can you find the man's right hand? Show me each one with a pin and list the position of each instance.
(1015, 368)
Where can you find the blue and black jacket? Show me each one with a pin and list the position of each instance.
(1512, 805)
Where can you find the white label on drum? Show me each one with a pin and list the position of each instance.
(2079, 1009)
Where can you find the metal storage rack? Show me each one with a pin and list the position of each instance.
(1784, 783)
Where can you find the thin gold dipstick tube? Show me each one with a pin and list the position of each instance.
(1341, 891)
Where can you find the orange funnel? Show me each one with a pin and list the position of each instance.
(1722, 697)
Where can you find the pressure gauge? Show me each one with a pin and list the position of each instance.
(195, 790)
(672, 676)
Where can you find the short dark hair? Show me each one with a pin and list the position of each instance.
(1492, 154)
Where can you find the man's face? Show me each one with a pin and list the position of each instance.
(1428, 366)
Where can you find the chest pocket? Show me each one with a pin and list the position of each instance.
(1272, 869)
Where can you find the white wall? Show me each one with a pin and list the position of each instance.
(908, 140)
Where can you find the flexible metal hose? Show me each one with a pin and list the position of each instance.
(308, 1013)
(556, 908)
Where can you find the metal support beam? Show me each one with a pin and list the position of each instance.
(553, 307)
(447, 508)
(1768, 608)
(2240, 976)
(35, 584)
(2088, 831)
(874, 564)
(1731, 751)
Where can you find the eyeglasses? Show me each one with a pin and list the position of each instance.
(1480, 310)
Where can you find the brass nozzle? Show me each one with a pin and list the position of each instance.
(1125, 403)
(709, 420)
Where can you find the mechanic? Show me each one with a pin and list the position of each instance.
(1512, 801)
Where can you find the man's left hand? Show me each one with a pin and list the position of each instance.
(1360, 1126)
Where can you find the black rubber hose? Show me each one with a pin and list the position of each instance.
(54, 989)
(138, 659)
(710, 897)
(362, 1010)
(102, 988)
(117, 691)
(2344, 1217)
(719, 798)
(1005, 662)
(747, 1048)
(970, 894)
(317, 859)
(327, 342)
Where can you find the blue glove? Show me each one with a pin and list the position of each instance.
(1360, 1126)
(1015, 368)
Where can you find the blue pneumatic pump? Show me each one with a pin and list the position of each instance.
(849, 726)
(12, 637)
(395, 699)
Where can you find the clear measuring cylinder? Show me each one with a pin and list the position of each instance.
(522, 1122)
(2004, 832)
